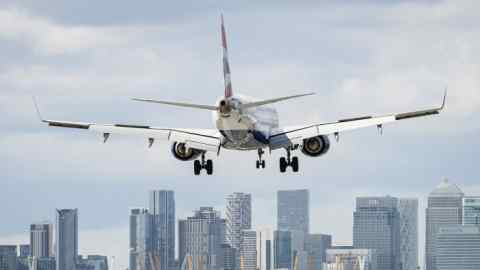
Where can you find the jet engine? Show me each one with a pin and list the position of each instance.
(316, 146)
(181, 152)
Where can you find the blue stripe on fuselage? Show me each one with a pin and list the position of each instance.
(260, 137)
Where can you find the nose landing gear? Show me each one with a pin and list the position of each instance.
(260, 162)
(289, 161)
(203, 164)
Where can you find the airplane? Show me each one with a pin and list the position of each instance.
(242, 124)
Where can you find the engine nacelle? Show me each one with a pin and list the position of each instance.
(316, 146)
(181, 152)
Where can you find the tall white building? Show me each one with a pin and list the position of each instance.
(457, 247)
(444, 208)
(238, 217)
(408, 210)
(248, 250)
(265, 249)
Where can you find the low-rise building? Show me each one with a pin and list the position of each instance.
(350, 259)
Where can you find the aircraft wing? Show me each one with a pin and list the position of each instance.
(295, 135)
(202, 139)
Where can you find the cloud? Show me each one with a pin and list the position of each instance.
(53, 39)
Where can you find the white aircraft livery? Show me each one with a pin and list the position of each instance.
(243, 124)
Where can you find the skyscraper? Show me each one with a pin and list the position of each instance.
(229, 257)
(238, 217)
(316, 246)
(444, 208)
(162, 209)
(41, 235)
(471, 210)
(408, 209)
(201, 237)
(293, 210)
(282, 249)
(248, 250)
(457, 247)
(376, 225)
(8, 257)
(66, 239)
(141, 241)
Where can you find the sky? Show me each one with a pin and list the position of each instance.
(85, 60)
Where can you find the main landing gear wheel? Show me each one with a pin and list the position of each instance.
(260, 162)
(203, 164)
(197, 167)
(294, 164)
(283, 164)
(288, 161)
(209, 167)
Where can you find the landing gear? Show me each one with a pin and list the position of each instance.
(198, 165)
(289, 161)
(260, 162)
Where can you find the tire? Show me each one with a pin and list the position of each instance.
(197, 167)
(295, 164)
(258, 164)
(209, 167)
(283, 164)
(263, 164)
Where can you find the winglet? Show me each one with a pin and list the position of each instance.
(444, 99)
(39, 114)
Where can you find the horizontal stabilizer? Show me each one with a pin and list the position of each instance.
(274, 100)
(179, 104)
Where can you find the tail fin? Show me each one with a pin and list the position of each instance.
(226, 66)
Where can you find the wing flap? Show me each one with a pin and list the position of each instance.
(54, 123)
(402, 116)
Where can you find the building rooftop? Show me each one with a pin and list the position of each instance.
(446, 189)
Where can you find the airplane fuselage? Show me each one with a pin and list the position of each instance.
(245, 128)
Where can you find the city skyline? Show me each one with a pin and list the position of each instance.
(439, 192)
